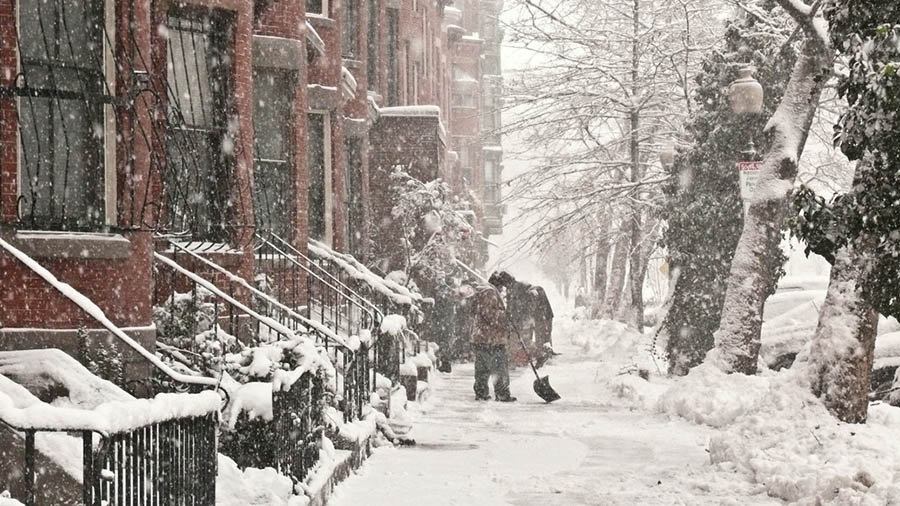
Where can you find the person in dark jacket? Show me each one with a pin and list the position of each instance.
(490, 336)
(530, 312)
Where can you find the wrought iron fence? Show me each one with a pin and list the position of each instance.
(270, 320)
(169, 463)
(298, 424)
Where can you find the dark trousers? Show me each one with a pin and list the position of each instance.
(491, 360)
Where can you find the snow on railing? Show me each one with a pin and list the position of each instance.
(97, 314)
(396, 292)
(332, 284)
(275, 325)
(325, 331)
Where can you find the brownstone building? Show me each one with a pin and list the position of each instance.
(124, 125)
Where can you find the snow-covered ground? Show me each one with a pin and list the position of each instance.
(614, 438)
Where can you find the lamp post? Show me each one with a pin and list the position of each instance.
(667, 156)
(745, 95)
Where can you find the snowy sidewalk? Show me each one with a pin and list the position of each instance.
(582, 450)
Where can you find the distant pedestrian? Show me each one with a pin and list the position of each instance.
(490, 336)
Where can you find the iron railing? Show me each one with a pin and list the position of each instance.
(272, 320)
(184, 382)
(332, 300)
(169, 463)
(298, 424)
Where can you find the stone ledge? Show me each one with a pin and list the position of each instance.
(72, 245)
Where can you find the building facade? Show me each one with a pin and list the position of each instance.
(217, 122)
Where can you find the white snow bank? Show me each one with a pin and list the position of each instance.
(887, 345)
(251, 487)
(773, 432)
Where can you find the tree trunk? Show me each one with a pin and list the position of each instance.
(617, 277)
(636, 281)
(601, 263)
(841, 352)
(756, 260)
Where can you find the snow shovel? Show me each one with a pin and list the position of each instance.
(541, 385)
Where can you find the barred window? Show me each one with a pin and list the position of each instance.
(63, 110)
(273, 176)
(199, 147)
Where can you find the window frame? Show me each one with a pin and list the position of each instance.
(108, 160)
(324, 13)
(328, 175)
(222, 164)
(289, 79)
(350, 39)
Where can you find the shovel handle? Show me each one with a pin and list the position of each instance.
(524, 347)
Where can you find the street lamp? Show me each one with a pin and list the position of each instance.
(667, 156)
(746, 98)
(745, 94)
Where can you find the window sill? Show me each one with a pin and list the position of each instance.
(74, 245)
(320, 21)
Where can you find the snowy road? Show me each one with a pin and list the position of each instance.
(587, 449)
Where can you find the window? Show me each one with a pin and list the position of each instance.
(319, 163)
(372, 46)
(65, 114)
(392, 48)
(273, 176)
(463, 100)
(353, 149)
(198, 144)
(319, 7)
(350, 29)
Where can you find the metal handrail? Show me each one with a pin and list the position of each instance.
(271, 323)
(289, 258)
(316, 326)
(97, 314)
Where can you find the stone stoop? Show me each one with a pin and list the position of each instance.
(322, 487)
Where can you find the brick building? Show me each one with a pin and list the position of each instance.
(212, 122)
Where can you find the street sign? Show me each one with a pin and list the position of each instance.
(749, 173)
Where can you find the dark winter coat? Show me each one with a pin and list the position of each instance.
(491, 323)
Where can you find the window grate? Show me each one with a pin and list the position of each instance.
(60, 94)
(200, 149)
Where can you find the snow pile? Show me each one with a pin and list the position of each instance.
(622, 369)
(251, 487)
(7, 500)
(255, 399)
(24, 411)
(54, 370)
(398, 293)
(887, 350)
(773, 432)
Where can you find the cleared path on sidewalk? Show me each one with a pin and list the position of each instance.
(577, 451)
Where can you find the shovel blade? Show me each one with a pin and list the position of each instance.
(543, 390)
